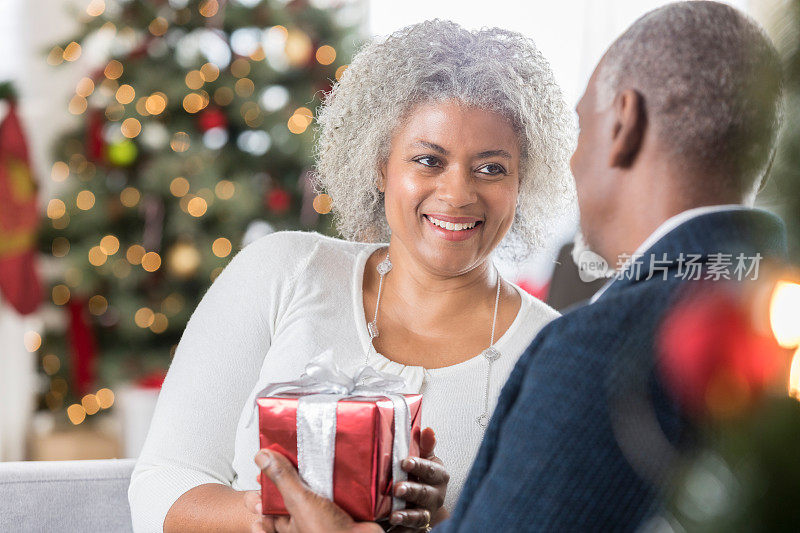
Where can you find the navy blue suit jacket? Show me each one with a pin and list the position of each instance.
(581, 436)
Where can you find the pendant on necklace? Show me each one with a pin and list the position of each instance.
(491, 354)
(372, 328)
(384, 266)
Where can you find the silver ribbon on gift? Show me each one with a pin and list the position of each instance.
(324, 384)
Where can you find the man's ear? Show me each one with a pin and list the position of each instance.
(630, 123)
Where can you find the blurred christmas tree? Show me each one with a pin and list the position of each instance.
(195, 137)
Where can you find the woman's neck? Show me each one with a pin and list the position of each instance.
(427, 299)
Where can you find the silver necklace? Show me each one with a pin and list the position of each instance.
(491, 354)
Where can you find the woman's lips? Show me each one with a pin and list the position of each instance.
(452, 235)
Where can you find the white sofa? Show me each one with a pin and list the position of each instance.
(65, 496)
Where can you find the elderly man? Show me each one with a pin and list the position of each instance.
(677, 132)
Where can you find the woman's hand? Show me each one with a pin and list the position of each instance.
(424, 491)
(261, 523)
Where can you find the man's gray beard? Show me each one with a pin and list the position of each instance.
(580, 252)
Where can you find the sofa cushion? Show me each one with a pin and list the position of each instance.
(66, 496)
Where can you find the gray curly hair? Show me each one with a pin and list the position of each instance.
(438, 60)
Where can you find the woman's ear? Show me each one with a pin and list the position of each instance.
(382, 178)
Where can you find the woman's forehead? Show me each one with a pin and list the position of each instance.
(452, 124)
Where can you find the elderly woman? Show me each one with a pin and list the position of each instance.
(444, 143)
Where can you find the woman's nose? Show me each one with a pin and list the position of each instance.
(457, 187)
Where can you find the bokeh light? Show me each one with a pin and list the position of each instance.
(105, 398)
(56, 208)
(76, 413)
(326, 55)
(60, 246)
(131, 127)
(208, 8)
(210, 72)
(85, 200)
(195, 79)
(77, 105)
(32, 340)
(72, 52)
(179, 186)
(89, 403)
(60, 171)
(95, 8)
(180, 142)
(51, 364)
(109, 244)
(125, 94)
(322, 204)
(60, 294)
(156, 103)
(784, 313)
(113, 70)
(130, 196)
(224, 189)
(240, 67)
(160, 323)
(98, 304)
(197, 206)
(134, 254)
(158, 26)
(221, 247)
(96, 256)
(85, 87)
(144, 317)
(151, 261)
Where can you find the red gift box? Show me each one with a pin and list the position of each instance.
(362, 464)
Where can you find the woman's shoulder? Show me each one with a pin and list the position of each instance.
(297, 250)
(535, 309)
(298, 244)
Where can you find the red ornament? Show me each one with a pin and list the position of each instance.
(153, 380)
(212, 117)
(712, 357)
(537, 291)
(95, 145)
(278, 200)
(83, 347)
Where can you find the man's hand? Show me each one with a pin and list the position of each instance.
(425, 489)
(309, 513)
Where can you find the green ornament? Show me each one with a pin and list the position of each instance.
(122, 153)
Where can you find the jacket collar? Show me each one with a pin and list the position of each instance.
(732, 238)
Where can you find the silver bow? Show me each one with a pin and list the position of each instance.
(324, 384)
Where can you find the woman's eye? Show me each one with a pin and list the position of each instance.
(493, 169)
(428, 161)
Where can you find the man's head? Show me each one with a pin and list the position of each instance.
(682, 111)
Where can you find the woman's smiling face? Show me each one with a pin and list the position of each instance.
(454, 166)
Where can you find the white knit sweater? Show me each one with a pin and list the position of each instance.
(280, 302)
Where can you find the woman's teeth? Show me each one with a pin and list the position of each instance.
(450, 225)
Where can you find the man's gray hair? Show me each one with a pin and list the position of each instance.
(711, 81)
(434, 61)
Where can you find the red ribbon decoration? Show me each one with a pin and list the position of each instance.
(83, 347)
(19, 281)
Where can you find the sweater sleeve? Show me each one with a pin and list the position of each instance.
(191, 437)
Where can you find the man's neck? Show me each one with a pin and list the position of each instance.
(661, 200)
